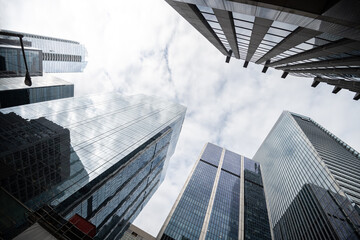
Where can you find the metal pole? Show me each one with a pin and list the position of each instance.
(27, 75)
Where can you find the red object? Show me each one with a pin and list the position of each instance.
(83, 225)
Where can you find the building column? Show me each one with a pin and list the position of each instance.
(350, 71)
(212, 198)
(261, 27)
(352, 61)
(192, 14)
(226, 22)
(340, 46)
(242, 202)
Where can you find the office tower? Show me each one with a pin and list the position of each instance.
(119, 149)
(58, 55)
(13, 91)
(317, 39)
(135, 233)
(223, 198)
(311, 181)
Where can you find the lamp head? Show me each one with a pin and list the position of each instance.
(27, 79)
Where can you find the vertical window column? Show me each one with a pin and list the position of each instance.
(212, 198)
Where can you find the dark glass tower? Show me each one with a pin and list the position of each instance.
(312, 181)
(223, 198)
(317, 39)
(116, 149)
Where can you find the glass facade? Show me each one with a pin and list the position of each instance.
(58, 55)
(114, 155)
(12, 61)
(290, 159)
(209, 205)
(189, 215)
(13, 91)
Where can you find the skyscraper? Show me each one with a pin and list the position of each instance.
(311, 179)
(317, 39)
(13, 91)
(58, 55)
(117, 151)
(223, 198)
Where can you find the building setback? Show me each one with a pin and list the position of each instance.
(13, 91)
(58, 55)
(118, 151)
(223, 198)
(317, 39)
(135, 233)
(312, 181)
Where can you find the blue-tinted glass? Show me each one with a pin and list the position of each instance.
(252, 171)
(256, 222)
(188, 217)
(224, 220)
(232, 162)
(212, 154)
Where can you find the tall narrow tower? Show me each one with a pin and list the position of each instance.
(223, 198)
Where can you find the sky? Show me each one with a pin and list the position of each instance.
(145, 47)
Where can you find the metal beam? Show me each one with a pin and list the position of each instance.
(357, 96)
(226, 22)
(353, 86)
(260, 28)
(227, 60)
(284, 75)
(351, 71)
(340, 46)
(336, 89)
(246, 63)
(353, 61)
(265, 66)
(315, 83)
(192, 14)
(299, 35)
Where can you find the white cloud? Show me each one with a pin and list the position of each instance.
(227, 104)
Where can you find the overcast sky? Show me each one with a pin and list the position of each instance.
(144, 46)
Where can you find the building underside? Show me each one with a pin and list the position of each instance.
(313, 39)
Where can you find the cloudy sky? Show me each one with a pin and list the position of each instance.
(144, 46)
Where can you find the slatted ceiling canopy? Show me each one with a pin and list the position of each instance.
(303, 38)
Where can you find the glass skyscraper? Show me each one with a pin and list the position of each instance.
(317, 39)
(58, 55)
(223, 198)
(312, 181)
(105, 166)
